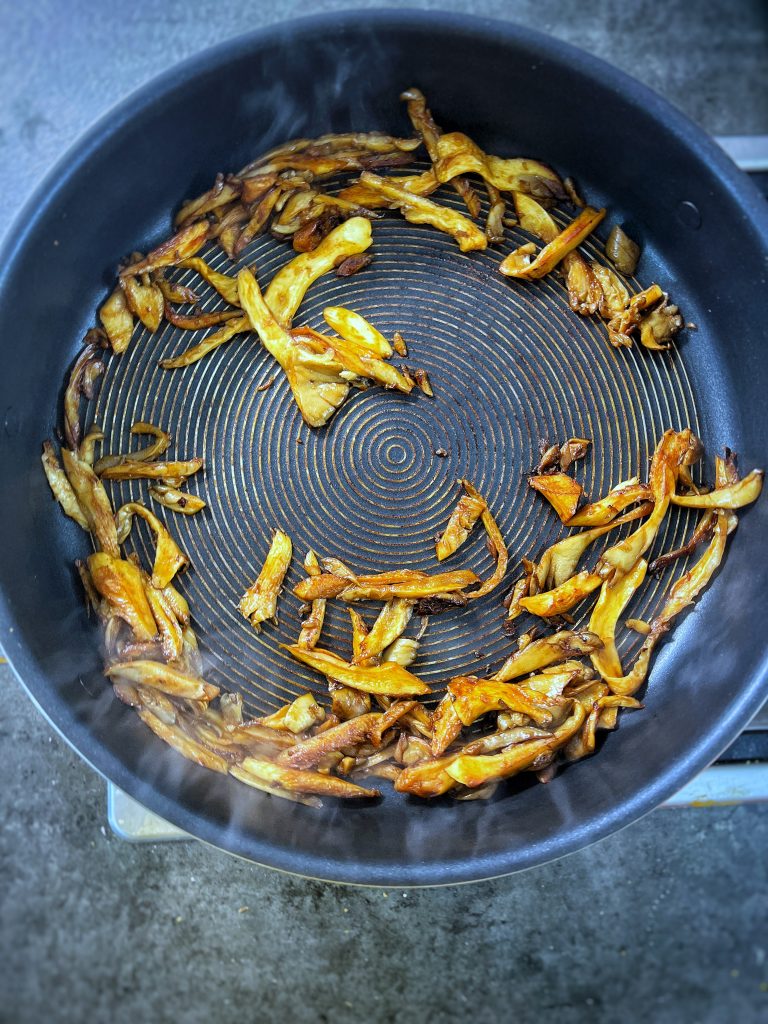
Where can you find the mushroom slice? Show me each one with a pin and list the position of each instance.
(561, 491)
(181, 246)
(479, 770)
(388, 679)
(152, 451)
(294, 780)
(612, 600)
(169, 558)
(312, 625)
(420, 210)
(290, 284)
(120, 583)
(259, 602)
(61, 487)
(93, 501)
(463, 517)
(313, 375)
(164, 678)
(117, 320)
(732, 496)
(519, 264)
(549, 650)
(458, 154)
(424, 123)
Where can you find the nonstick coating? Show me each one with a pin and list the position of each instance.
(509, 364)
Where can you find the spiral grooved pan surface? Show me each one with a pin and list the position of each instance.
(510, 364)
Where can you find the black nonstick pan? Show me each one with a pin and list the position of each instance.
(510, 364)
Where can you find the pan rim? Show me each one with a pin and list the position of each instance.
(256, 848)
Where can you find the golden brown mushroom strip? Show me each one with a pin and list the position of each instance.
(259, 602)
(584, 291)
(463, 517)
(199, 321)
(93, 501)
(149, 453)
(685, 590)
(356, 330)
(476, 771)
(671, 453)
(612, 600)
(548, 651)
(238, 772)
(180, 742)
(164, 678)
(176, 500)
(388, 678)
(734, 496)
(624, 323)
(390, 624)
(561, 491)
(298, 716)
(354, 360)
(427, 778)
(133, 469)
(518, 263)
(703, 532)
(496, 542)
(173, 291)
(683, 593)
(406, 583)
(391, 716)
(222, 193)
(458, 154)
(145, 300)
(82, 379)
(237, 325)
(326, 165)
(225, 285)
(563, 597)
(506, 738)
(424, 123)
(419, 210)
(296, 780)
(120, 583)
(420, 184)
(473, 698)
(598, 513)
(117, 320)
(615, 297)
(313, 377)
(362, 142)
(310, 752)
(180, 246)
(583, 745)
(494, 221)
(169, 558)
(559, 562)
(312, 626)
(261, 213)
(289, 285)
(468, 698)
(168, 627)
(61, 487)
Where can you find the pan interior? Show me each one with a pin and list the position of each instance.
(510, 364)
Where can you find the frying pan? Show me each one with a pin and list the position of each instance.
(509, 363)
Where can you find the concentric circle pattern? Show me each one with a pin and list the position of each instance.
(510, 365)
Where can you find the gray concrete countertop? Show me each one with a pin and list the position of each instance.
(663, 922)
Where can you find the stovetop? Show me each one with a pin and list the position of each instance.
(739, 775)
